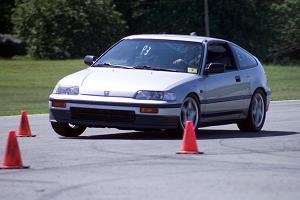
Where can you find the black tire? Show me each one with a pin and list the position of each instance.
(256, 113)
(190, 110)
(67, 130)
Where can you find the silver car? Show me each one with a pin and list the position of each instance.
(161, 81)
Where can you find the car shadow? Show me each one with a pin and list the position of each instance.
(228, 134)
(202, 134)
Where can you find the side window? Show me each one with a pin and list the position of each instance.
(244, 58)
(220, 53)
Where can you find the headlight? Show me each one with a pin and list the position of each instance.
(69, 90)
(155, 95)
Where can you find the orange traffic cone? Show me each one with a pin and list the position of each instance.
(189, 143)
(24, 128)
(12, 156)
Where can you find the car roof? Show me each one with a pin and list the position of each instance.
(189, 38)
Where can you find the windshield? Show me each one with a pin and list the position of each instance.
(166, 55)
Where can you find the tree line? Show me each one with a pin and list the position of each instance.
(269, 29)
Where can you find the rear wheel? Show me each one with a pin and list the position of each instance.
(256, 114)
(67, 130)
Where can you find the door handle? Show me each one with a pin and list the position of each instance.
(237, 79)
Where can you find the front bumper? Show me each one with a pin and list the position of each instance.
(115, 113)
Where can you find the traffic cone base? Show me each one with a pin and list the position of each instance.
(14, 167)
(24, 127)
(189, 152)
(12, 156)
(26, 135)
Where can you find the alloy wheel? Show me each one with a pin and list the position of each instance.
(258, 109)
(189, 111)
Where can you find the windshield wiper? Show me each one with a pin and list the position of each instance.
(111, 65)
(165, 69)
(142, 67)
(102, 65)
(154, 68)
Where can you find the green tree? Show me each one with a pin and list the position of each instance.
(6, 7)
(245, 22)
(162, 16)
(285, 17)
(67, 28)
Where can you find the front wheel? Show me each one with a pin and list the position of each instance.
(67, 130)
(256, 113)
(189, 112)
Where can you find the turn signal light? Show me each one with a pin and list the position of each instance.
(59, 104)
(149, 110)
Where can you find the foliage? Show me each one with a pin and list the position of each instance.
(180, 17)
(6, 7)
(67, 28)
(286, 22)
(10, 46)
(243, 22)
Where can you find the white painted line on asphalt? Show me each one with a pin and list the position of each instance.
(33, 115)
(286, 101)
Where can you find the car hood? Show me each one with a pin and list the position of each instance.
(123, 82)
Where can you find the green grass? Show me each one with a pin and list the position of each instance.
(25, 84)
(284, 81)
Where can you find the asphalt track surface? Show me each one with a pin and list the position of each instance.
(111, 164)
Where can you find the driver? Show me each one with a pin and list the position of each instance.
(191, 57)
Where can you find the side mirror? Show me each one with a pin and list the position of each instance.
(214, 68)
(89, 60)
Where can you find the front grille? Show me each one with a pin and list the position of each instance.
(102, 115)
